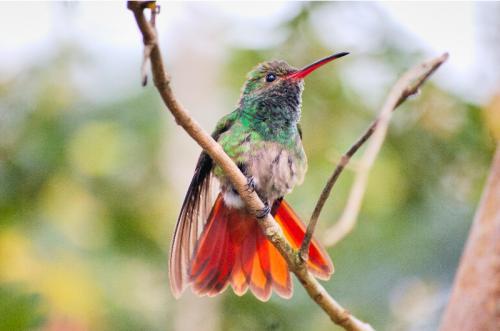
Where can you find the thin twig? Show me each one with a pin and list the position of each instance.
(406, 86)
(269, 226)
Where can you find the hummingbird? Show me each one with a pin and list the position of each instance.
(221, 244)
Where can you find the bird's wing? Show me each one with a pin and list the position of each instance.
(193, 214)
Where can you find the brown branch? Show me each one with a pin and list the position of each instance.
(406, 86)
(475, 297)
(269, 226)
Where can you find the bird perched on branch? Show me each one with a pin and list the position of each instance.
(221, 244)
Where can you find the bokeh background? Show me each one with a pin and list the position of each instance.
(93, 169)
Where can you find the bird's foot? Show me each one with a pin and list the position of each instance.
(262, 213)
(250, 186)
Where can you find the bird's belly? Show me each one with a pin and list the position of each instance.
(276, 169)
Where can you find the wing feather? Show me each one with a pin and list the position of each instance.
(189, 224)
(193, 215)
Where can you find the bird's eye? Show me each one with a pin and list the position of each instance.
(270, 77)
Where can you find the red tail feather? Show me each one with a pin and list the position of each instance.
(232, 249)
(319, 263)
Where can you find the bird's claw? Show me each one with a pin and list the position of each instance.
(262, 213)
(250, 186)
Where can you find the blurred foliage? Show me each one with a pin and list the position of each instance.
(85, 208)
(80, 202)
(492, 116)
(19, 311)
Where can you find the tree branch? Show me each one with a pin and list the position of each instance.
(474, 300)
(269, 226)
(406, 86)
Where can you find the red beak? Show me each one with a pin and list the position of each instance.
(302, 73)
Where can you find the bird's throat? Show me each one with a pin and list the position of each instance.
(272, 124)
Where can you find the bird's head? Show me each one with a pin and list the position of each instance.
(277, 86)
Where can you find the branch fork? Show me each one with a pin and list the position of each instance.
(408, 85)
